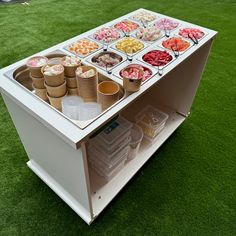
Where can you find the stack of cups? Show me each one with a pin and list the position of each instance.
(87, 80)
(70, 64)
(35, 65)
(55, 84)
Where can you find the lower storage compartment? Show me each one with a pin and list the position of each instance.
(108, 178)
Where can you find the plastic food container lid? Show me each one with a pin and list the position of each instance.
(104, 168)
(94, 153)
(115, 130)
(109, 176)
(121, 141)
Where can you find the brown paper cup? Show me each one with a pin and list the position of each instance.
(57, 91)
(71, 82)
(108, 93)
(72, 91)
(132, 85)
(36, 71)
(42, 93)
(54, 80)
(38, 82)
(87, 87)
(69, 70)
(56, 102)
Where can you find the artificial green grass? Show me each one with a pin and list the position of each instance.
(187, 188)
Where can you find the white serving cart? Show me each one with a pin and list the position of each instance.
(56, 145)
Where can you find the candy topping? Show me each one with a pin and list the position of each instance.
(83, 47)
(135, 71)
(157, 58)
(144, 16)
(87, 74)
(70, 61)
(148, 34)
(176, 44)
(129, 45)
(191, 32)
(106, 35)
(53, 70)
(126, 26)
(107, 59)
(166, 24)
(37, 61)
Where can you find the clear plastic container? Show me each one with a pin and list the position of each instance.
(151, 120)
(89, 110)
(105, 169)
(113, 173)
(108, 160)
(114, 131)
(70, 106)
(136, 139)
(111, 148)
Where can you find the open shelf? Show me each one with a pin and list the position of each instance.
(103, 192)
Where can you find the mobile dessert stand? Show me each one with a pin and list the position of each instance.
(56, 145)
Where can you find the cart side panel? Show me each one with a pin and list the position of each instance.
(64, 165)
(178, 88)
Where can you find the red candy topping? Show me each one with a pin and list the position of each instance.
(157, 58)
(176, 44)
(133, 72)
(191, 32)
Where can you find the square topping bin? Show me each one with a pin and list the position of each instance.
(106, 35)
(167, 25)
(58, 145)
(149, 71)
(192, 32)
(83, 47)
(106, 60)
(175, 43)
(144, 17)
(157, 58)
(129, 46)
(149, 34)
(126, 26)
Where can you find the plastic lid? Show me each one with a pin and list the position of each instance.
(109, 160)
(116, 145)
(109, 176)
(115, 130)
(104, 167)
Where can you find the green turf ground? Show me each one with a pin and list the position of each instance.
(187, 188)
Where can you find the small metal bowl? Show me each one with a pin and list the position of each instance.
(112, 54)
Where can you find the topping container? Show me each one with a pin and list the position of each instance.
(151, 120)
(83, 47)
(35, 65)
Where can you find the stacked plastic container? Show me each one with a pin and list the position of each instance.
(152, 121)
(109, 150)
